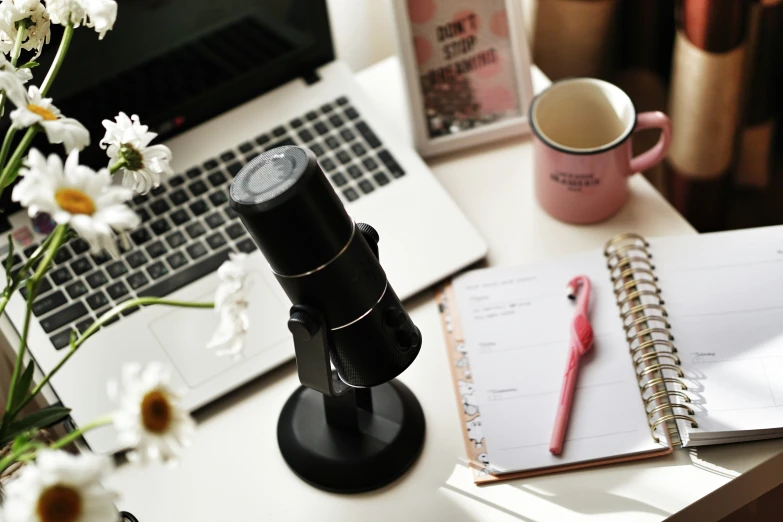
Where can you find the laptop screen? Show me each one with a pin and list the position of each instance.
(177, 63)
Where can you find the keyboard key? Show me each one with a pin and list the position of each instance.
(350, 194)
(344, 157)
(100, 258)
(156, 249)
(262, 140)
(82, 325)
(76, 289)
(370, 164)
(245, 147)
(351, 113)
(117, 269)
(234, 168)
(131, 310)
(81, 266)
(296, 123)
(61, 276)
(117, 290)
(79, 245)
(136, 259)
(318, 150)
(347, 134)
(214, 220)
(342, 100)
(328, 164)
(228, 155)
(160, 226)
(312, 115)
(196, 250)
(381, 179)
(43, 287)
(278, 131)
(306, 136)
(198, 187)
(143, 215)
(138, 199)
(391, 164)
(366, 186)
(180, 216)
(246, 246)
(159, 207)
(335, 120)
(178, 197)
(137, 280)
(157, 191)
(193, 173)
(368, 135)
(176, 239)
(97, 300)
(355, 172)
(176, 260)
(210, 164)
(218, 198)
(216, 240)
(281, 143)
(332, 142)
(29, 251)
(339, 180)
(198, 207)
(250, 157)
(96, 279)
(191, 273)
(63, 254)
(321, 128)
(235, 230)
(216, 178)
(61, 318)
(358, 149)
(47, 303)
(156, 271)
(397, 172)
(61, 339)
(176, 181)
(140, 236)
(194, 230)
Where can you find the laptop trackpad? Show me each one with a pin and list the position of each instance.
(184, 332)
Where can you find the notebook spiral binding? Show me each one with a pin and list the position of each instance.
(648, 332)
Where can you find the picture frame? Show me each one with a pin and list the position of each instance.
(467, 71)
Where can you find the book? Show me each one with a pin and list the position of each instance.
(688, 351)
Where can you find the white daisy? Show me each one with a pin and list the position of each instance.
(34, 109)
(76, 195)
(61, 487)
(98, 14)
(232, 306)
(12, 80)
(150, 420)
(23, 74)
(127, 139)
(37, 31)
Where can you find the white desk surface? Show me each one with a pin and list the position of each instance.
(234, 471)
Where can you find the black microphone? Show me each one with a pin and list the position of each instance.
(324, 260)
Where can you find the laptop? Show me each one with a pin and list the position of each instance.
(221, 82)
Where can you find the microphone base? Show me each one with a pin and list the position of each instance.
(385, 441)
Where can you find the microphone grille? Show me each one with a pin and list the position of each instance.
(269, 175)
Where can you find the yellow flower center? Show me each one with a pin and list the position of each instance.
(156, 412)
(75, 201)
(43, 113)
(59, 504)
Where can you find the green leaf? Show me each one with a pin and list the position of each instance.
(22, 440)
(40, 419)
(29, 65)
(22, 386)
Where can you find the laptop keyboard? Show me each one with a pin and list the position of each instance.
(188, 229)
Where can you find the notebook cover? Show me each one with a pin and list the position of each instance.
(475, 444)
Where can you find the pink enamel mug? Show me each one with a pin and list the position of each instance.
(582, 140)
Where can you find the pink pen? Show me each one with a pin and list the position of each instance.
(580, 344)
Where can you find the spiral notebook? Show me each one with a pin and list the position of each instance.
(688, 351)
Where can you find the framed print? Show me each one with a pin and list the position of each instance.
(467, 71)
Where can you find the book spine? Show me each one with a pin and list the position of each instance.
(648, 332)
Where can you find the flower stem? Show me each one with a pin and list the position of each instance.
(75, 434)
(114, 168)
(58, 59)
(12, 169)
(9, 138)
(114, 312)
(17, 49)
(58, 235)
(14, 284)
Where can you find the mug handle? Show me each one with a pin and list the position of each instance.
(652, 120)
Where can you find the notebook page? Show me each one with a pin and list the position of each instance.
(724, 295)
(516, 324)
